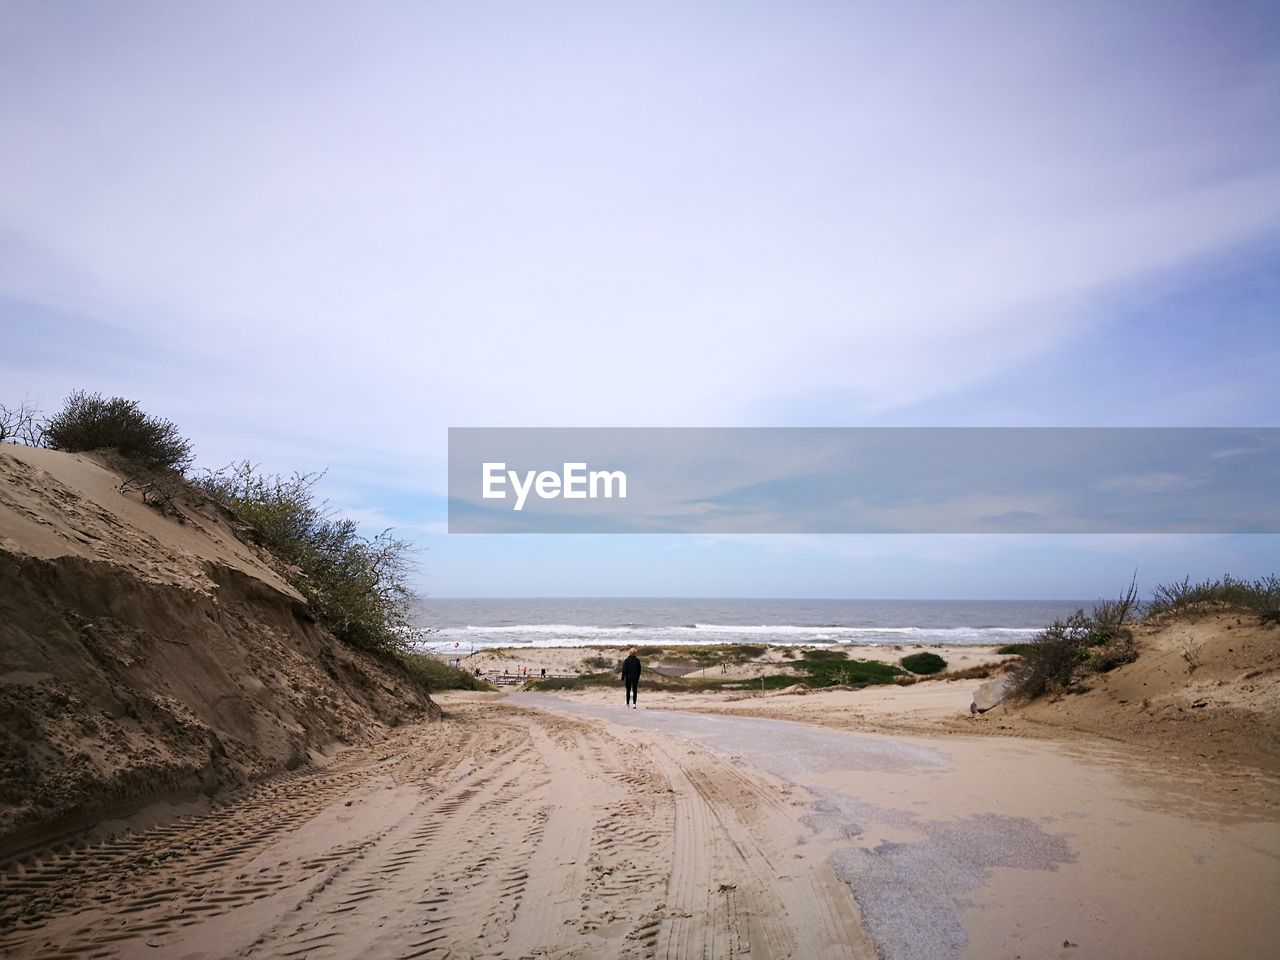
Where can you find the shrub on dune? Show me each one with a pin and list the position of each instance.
(1261, 597)
(356, 585)
(88, 421)
(1067, 650)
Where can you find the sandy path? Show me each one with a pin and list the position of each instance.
(1000, 847)
(502, 832)
(535, 826)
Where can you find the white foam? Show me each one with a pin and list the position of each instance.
(583, 635)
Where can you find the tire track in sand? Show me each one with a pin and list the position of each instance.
(503, 832)
(139, 885)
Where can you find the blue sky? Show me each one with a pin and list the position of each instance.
(318, 235)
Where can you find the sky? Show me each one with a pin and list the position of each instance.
(318, 235)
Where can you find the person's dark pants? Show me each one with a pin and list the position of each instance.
(633, 689)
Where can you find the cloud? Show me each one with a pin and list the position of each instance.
(458, 225)
(329, 232)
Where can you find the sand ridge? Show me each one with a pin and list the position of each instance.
(55, 504)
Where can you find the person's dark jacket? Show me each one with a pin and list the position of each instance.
(631, 668)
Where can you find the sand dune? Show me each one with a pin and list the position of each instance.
(145, 658)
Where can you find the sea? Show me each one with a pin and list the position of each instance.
(462, 626)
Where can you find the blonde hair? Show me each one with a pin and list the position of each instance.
(632, 651)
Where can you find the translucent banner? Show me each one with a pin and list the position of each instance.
(864, 480)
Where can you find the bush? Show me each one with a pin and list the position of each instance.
(1085, 642)
(90, 422)
(356, 586)
(924, 663)
(1261, 597)
(21, 424)
(826, 655)
(1014, 649)
(1052, 661)
(1109, 616)
(434, 675)
(1052, 658)
(980, 671)
(1116, 652)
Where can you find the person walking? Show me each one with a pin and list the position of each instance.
(631, 677)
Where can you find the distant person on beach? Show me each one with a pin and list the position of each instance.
(631, 677)
(544, 673)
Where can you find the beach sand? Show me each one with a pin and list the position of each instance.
(502, 831)
(534, 825)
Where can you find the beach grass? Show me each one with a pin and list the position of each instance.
(433, 674)
(1261, 597)
(825, 655)
(1014, 649)
(708, 655)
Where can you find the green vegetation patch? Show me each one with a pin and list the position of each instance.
(650, 680)
(812, 673)
(433, 674)
(924, 664)
(1014, 649)
(827, 673)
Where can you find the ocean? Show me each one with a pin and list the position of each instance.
(464, 625)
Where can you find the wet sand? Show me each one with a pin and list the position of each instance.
(990, 847)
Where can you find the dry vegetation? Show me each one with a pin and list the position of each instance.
(1068, 653)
